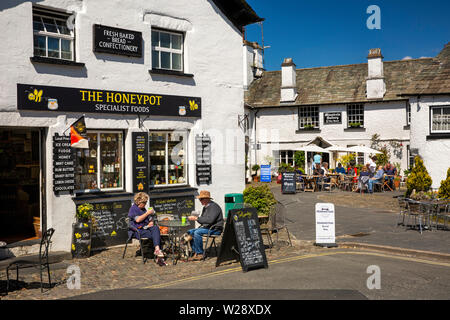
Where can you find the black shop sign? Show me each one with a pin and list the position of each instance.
(63, 99)
(63, 165)
(203, 159)
(332, 118)
(117, 41)
(140, 162)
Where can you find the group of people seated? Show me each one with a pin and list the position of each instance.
(369, 175)
(143, 224)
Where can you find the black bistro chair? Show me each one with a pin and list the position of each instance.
(206, 248)
(134, 233)
(39, 261)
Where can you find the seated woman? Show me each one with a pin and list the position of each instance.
(364, 177)
(143, 220)
(376, 178)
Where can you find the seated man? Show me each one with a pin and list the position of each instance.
(211, 217)
(376, 178)
(143, 220)
(340, 169)
(319, 173)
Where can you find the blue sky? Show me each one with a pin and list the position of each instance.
(330, 32)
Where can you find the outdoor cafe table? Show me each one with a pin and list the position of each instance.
(176, 227)
(310, 183)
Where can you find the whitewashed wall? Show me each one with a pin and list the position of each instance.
(435, 152)
(213, 54)
(276, 128)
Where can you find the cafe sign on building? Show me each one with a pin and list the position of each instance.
(117, 41)
(62, 99)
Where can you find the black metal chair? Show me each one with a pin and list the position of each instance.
(39, 261)
(134, 233)
(403, 206)
(275, 224)
(213, 238)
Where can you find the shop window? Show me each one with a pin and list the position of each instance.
(308, 117)
(355, 115)
(51, 36)
(167, 158)
(287, 157)
(440, 119)
(100, 167)
(167, 50)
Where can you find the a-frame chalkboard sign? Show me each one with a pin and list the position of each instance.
(242, 240)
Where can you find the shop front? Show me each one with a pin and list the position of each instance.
(20, 183)
(122, 155)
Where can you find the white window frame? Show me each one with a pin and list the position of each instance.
(60, 36)
(171, 50)
(122, 169)
(308, 115)
(355, 114)
(185, 134)
(443, 119)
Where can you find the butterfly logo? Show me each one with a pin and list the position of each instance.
(193, 105)
(35, 96)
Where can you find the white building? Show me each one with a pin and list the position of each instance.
(149, 77)
(347, 105)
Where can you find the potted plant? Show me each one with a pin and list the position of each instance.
(308, 127)
(255, 168)
(397, 180)
(354, 125)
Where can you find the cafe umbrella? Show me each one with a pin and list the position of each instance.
(363, 149)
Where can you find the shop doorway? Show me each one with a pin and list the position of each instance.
(20, 184)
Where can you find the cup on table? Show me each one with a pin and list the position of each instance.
(183, 220)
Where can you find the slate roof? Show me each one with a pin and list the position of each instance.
(347, 83)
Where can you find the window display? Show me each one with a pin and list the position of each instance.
(167, 158)
(100, 166)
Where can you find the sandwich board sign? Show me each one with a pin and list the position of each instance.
(325, 225)
(266, 173)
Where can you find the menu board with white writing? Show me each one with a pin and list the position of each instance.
(242, 239)
(110, 226)
(63, 165)
(176, 206)
(203, 159)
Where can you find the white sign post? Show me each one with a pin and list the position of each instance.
(325, 225)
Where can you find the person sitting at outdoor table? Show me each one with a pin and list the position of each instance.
(340, 169)
(364, 177)
(211, 218)
(391, 172)
(319, 173)
(376, 178)
(143, 220)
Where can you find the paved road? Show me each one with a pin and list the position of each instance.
(375, 225)
(330, 274)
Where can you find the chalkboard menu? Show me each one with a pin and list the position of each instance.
(110, 226)
(117, 41)
(288, 182)
(332, 117)
(203, 159)
(140, 162)
(81, 240)
(242, 240)
(176, 206)
(63, 165)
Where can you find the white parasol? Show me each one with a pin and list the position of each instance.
(363, 149)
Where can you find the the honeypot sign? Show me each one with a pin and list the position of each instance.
(62, 99)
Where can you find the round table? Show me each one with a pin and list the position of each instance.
(174, 249)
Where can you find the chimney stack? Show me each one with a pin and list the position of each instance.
(375, 86)
(288, 81)
(253, 62)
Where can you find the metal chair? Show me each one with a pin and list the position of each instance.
(403, 206)
(39, 261)
(134, 233)
(213, 238)
(275, 224)
(416, 211)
